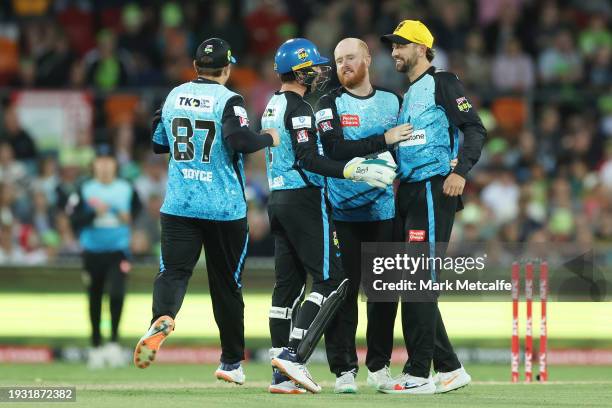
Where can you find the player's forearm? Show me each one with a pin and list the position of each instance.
(322, 165)
(342, 149)
(247, 141)
(474, 135)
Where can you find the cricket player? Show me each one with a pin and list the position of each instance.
(305, 237)
(204, 127)
(429, 195)
(102, 210)
(358, 119)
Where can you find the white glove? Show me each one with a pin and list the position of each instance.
(377, 172)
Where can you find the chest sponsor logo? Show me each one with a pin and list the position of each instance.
(418, 137)
(325, 126)
(349, 120)
(194, 102)
(302, 136)
(416, 235)
(463, 104)
(324, 114)
(244, 122)
(301, 122)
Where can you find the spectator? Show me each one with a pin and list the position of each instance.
(595, 36)
(448, 25)
(146, 235)
(477, 65)
(47, 179)
(54, 59)
(507, 26)
(21, 142)
(105, 67)
(599, 71)
(11, 171)
(139, 40)
(268, 26)
(221, 24)
(561, 63)
(548, 26)
(152, 181)
(502, 197)
(323, 29)
(513, 69)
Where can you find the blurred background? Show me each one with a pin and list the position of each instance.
(76, 73)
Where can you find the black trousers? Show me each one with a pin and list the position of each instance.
(102, 270)
(225, 245)
(306, 243)
(423, 208)
(340, 335)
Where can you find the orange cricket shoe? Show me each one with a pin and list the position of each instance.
(149, 344)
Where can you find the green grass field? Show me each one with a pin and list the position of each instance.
(61, 319)
(57, 317)
(194, 386)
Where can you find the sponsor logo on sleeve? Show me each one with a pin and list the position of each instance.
(325, 126)
(302, 136)
(349, 120)
(418, 137)
(270, 112)
(195, 102)
(463, 104)
(324, 114)
(240, 111)
(416, 235)
(301, 122)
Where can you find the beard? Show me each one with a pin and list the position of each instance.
(354, 78)
(405, 64)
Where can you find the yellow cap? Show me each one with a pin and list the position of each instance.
(410, 31)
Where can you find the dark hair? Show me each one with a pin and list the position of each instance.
(430, 54)
(213, 72)
(288, 77)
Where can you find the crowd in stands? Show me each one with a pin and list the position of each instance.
(539, 72)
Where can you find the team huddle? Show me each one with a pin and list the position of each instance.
(330, 172)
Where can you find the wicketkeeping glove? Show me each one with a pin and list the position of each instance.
(377, 172)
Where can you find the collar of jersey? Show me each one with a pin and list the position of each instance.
(284, 92)
(431, 70)
(368, 96)
(200, 80)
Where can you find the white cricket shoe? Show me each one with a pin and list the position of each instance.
(281, 384)
(96, 358)
(286, 362)
(231, 373)
(345, 384)
(453, 380)
(409, 384)
(114, 355)
(377, 379)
